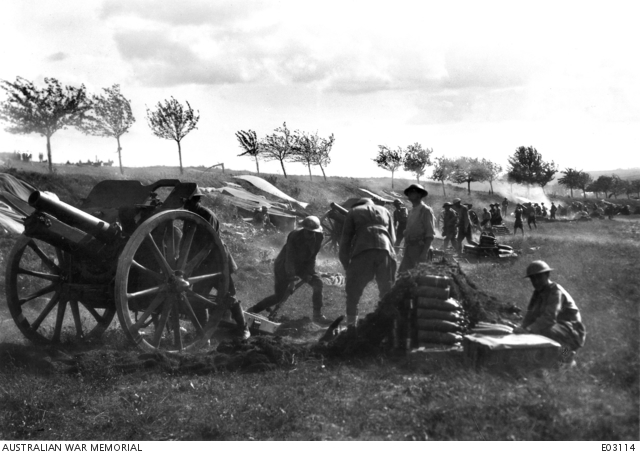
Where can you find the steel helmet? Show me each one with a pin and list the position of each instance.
(197, 192)
(537, 267)
(312, 223)
(419, 188)
(456, 201)
(397, 202)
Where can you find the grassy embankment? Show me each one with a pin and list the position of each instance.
(376, 398)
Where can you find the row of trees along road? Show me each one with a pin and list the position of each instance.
(32, 110)
(416, 159)
(284, 146)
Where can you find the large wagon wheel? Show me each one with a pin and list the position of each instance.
(332, 232)
(163, 282)
(38, 280)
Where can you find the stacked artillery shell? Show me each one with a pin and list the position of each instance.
(438, 318)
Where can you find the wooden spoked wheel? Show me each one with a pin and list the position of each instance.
(44, 295)
(171, 278)
(332, 233)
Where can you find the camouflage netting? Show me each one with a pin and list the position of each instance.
(378, 326)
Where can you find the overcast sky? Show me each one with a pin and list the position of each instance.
(464, 78)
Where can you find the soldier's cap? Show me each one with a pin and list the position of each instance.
(312, 223)
(415, 187)
(537, 267)
(447, 204)
(456, 201)
(264, 208)
(397, 202)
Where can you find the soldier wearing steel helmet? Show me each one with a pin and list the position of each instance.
(552, 312)
(212, 264)
(298, 259)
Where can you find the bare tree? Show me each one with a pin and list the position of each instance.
(171, 120)
(29, 109)
(417, 159)
(279, 146)
(249, 142)
(389, 159)
(110, 116)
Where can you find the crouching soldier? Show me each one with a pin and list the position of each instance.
(211, 264)
(298, 259)
(552, 312)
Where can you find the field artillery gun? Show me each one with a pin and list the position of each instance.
(332, 223)
(127, 250)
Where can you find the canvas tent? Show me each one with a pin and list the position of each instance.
(14, 194)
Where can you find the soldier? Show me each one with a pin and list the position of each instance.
(366, 251)
(505, 206)
(496, 218)
(486, 218)
(552, 312)
(449, 229)
(420, 229)
(553, 210)
(298, 259)
(210, 264)
(261, 218)
(464, 224)
(543, 210)
(400, 216)
(531, 215)
(518, 222)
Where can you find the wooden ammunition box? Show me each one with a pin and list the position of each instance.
(525, 351)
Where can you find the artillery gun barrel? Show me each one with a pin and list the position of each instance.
(72, 216)
(338, 208)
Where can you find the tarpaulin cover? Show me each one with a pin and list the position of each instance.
(269, 188)
(519, 341)
(14, 194)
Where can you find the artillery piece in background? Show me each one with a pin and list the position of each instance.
(126, 250)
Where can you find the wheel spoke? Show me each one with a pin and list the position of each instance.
(195, 262)
(189, 309)
(99, 319)
(44, 276)
(146, 292)
(75, 311)
(197, 279)
(45, 312)
(175, 319)
(199, 299)
(41, 292)
(62, 307)
(46, 260)
(157, 335)
(185, 246)
(142, 268)
(148, 312)
(170, 243)
(159, 257)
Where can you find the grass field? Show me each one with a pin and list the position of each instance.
(384, 397)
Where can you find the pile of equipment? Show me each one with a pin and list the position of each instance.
(489, 247)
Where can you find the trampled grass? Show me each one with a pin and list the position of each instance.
(384, 397)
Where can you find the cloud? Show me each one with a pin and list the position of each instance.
(57, 57)
(181, 13)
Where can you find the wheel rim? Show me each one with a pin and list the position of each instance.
(38, 300)
(164, 282)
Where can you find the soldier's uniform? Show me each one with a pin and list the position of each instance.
(366, 251)
(400, 217)
(449, 226)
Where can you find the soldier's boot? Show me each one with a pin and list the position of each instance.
(238, 316)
